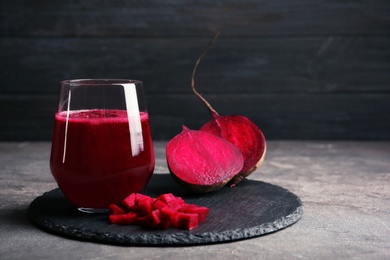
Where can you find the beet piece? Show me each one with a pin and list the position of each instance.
(114, 209)
(187, 221)
(171, 215)
(202, 212)
(129, 201)
(202, 162)
(172, 201)
(123, 219)
(142, 199)
(238, 130)
(169, 197)
(158, 204)
(142, 221)
(145, 206)
(165, 223)
(154, 218)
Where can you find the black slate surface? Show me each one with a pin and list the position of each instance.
(250, 209)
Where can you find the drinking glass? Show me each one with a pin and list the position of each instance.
(102, 149)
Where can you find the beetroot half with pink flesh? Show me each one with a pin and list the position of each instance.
(202, 162)
(238, 130)
(245, 135)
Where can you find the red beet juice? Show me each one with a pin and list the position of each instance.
(92, 158)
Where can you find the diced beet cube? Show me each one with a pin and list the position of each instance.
(114, 209)
(180, 200)
(154, 218)
(165, 197)
(202, 213)
(140, 198)
(195, 209)
(158, 204)
(123, 219)
(171, 200)
(129, 201)
(165, 223)
(142, 221)
(145, 207)
(171, 215)
(135, 209)
(187, 221)
(175, 204)
(143, 204)
(168, 197)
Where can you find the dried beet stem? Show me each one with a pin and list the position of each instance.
(212, 111)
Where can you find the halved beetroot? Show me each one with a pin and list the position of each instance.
(245, 135)
(202, 162)
(238, 130)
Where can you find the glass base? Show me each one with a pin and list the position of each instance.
(93, 210)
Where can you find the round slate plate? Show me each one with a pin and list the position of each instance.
(250, 209)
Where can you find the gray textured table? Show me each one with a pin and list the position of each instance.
(344, 186)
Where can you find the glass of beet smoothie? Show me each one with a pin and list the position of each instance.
(102, 149)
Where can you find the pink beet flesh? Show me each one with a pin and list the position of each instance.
(202, 161)
(241, 132)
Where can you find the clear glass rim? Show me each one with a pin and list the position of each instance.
(99, 82)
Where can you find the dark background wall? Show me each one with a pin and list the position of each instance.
(307, 69)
